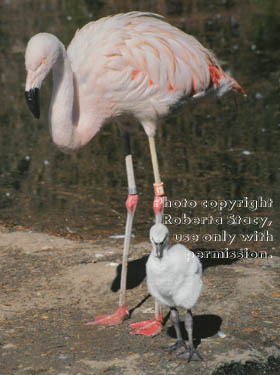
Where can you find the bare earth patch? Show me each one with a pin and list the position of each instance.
(50, 287)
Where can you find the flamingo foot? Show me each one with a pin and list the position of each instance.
(111, 320)
(192, 356)
(177, 347)
(148, 327)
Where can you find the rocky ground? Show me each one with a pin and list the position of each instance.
(51, 286)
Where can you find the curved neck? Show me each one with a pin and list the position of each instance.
(68, 128)
(63, 113)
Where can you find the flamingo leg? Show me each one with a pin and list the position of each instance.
(122, 313)
(179, 345)
(193, 353)
(153, 327)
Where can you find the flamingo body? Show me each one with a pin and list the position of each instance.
(175, 277)
(132, 63)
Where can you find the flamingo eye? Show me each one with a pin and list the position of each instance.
(43, 61)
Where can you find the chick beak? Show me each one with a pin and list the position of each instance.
(33, 102)
(159, 250)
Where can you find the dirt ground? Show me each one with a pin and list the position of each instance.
(51, 286)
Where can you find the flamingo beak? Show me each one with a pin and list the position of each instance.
(33, 102)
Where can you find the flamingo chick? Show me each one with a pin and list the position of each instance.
(174, 278)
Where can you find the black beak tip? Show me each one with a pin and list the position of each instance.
(32, 100)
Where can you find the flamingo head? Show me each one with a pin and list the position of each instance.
(41, 54)
(159, 236)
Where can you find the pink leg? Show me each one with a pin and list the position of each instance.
(122, 313)
(152, 327)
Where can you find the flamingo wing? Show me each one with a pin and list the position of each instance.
(138, 63)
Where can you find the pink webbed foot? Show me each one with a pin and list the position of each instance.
(111, 320)
(147, 328)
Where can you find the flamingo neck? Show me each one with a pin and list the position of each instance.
(63, 112)
(72, 122)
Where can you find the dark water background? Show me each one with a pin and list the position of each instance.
(214, 150)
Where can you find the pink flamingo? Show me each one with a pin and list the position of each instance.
(129, 64)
